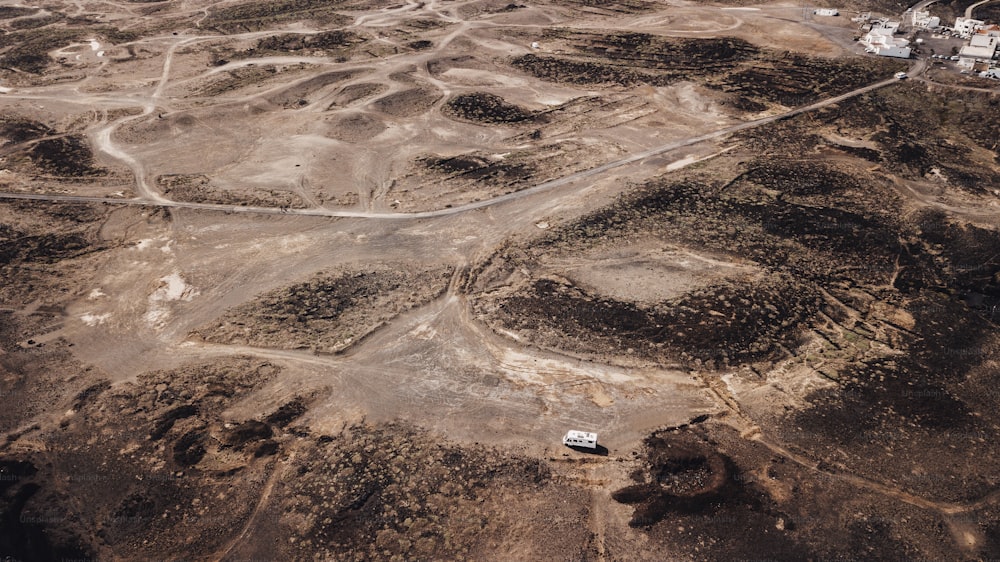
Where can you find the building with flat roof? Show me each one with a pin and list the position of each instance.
(981, 49)
(969, 56)
(965, 27)
(924, 20)
(983, 40)
(880, 41)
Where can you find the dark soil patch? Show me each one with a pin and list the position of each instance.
(36, 23)
(196, 188)
(754, 75)
(793, 80)
(118, 500)
(17, 130)
(45, 248)
(330, 311)
(254, 16)
(408, 103)
(715, 327)
(327, 43)
(90, 393)
(354, 489)
(792, 230)
(9, 12)
(569, 71)
(68, 156)
(287, 413)
(27, 533)
(297, 95)
(28, 50)
(167, 420)
(421, 45)
(482, 107)
(356, 128)
(247, 433)
(479, 168)
(190, 448)
(235, 79)
(931, 395)
(916, 131)
(266, 449)
(38, 246)
(667, 54)
(683, 475)
(635, 58)
(689, 490)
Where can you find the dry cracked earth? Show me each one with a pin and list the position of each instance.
(329, 279)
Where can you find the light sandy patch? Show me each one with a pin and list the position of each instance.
(174, 288)
(646, 271)
(845, 141)
(546, 371)
(171, 288)
(91, 319)
(694, 159)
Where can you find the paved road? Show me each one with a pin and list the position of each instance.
(968, 11)
(158, 201)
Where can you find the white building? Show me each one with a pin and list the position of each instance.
(880, 41)
(965, 27)
(924, 20)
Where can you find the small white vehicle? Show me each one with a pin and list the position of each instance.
(574, 438)
(900, 76)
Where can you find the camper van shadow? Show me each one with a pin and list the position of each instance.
(599, 450)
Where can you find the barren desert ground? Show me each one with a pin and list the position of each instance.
(330, 279)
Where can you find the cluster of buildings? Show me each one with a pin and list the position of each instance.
(881, 40)
(979, 55)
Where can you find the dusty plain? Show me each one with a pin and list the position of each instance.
(329, 280)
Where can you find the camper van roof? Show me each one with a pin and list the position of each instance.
(573, 434)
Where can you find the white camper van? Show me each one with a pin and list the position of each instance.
(575, 438)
